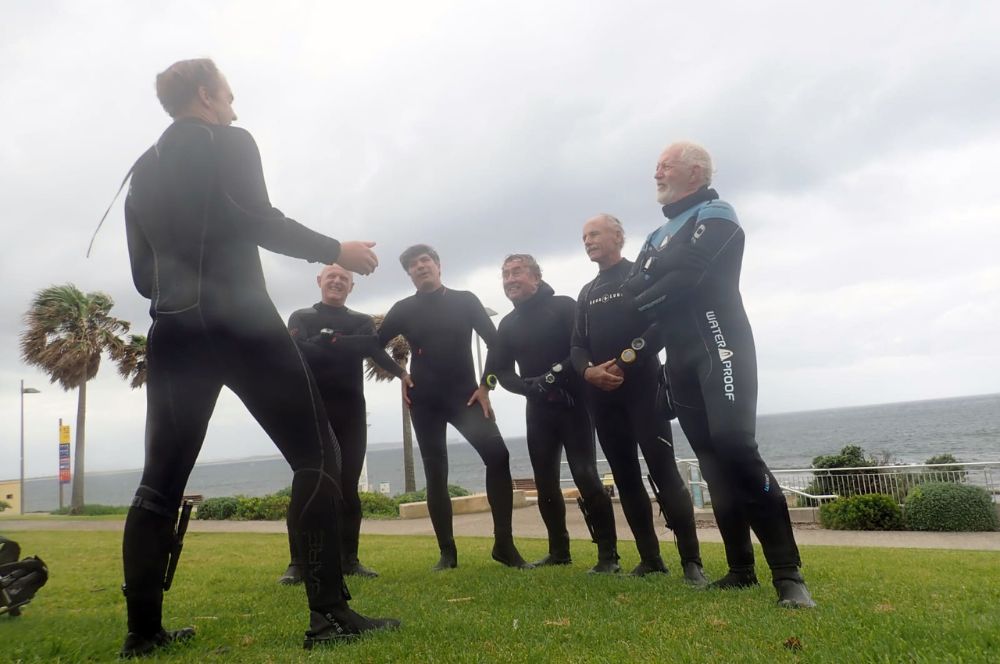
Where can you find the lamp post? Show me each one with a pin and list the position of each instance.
(479, 348)
(24, 390)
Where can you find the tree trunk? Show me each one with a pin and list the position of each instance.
(409, 479)
(76, 502)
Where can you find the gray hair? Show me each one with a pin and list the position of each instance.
(527, 260)
(615, 224)
(693, 154)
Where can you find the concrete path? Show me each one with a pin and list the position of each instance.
(528, 524)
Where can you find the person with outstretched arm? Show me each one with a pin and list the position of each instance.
(628, 407)
(686, 279)
(196, 214)
(335, 340)
(438, 322)
(536, 336)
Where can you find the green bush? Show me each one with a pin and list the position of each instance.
(454, 490)
(872, 511)
(946, 506)
(218, 508)
(94, 510)
(271, 507)
(4, 505)
(375, 505)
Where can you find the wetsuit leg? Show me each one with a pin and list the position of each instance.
(577, 434)
(181, 390)
(484, 436)
(655, 439)
(614, 431)
(545, 452)
(266, 371)
(348, 418)
(729, 517)
(430, 425)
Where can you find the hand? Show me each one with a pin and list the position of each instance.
(601, 377)
(537, 388)
(358, 257)
(616, 370)
(482, 396)
(406, 383)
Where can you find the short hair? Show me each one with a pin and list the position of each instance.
(527, 260)
(416, 250)
(615, 224)
(178, 84)
(693, 154)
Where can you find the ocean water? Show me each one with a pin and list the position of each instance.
(966, 427)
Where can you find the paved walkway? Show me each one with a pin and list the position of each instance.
(528, 523)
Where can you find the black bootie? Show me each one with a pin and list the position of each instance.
(342, 624)
(652, 565)
(292, 575)
(736, 579)
(607, 558)
(449, 557)
(792, 590)
(505, 553)
(694, 574)
(137, 645)
(558, 552)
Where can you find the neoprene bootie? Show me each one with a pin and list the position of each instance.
(505, 553)
(342, 624)
(449, 557)
(357, 569)
(558, 552)
(648, 566)
(607, 558)
(137, 645)
(793, 594)
(735, 580)
(694, 574)
(292, 575)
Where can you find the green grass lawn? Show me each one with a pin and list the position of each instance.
(883, 605)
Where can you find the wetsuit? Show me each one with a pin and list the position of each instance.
(632, 415)
(537, 335)
(438, 327)
(196, 213)
(687, 279)
(335, 341)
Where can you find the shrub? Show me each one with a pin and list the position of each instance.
(873, 511)
(375, 505)
(946, 506)
(218, 508)
(271, 507)
(94, 510)
(454, 490)
(4, 505)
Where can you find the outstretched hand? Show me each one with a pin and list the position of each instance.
(358, 257)
(603, 376)
(482, 397)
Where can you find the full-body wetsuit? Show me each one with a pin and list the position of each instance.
(687, 279)
(537, 336)
(632, 416)
(438, 327)
(196, 213)
(335, 341)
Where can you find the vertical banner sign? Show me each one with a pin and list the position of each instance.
(64, 474)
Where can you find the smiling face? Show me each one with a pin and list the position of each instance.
(425, 273)
(675, 176)
(519, 281)
(335, 284)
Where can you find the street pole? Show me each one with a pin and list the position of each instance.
(59, 473)
(24, 390)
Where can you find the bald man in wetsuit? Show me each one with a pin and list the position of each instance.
(335, 340)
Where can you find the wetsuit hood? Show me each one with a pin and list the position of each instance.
(543, 293)
(705, 193)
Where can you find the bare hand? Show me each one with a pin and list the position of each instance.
(482, 395)
(358, 257)
(406, 382)
(602, 376)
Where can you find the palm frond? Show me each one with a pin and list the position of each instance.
(398, 350)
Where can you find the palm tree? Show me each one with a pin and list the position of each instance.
(399, 350)
(66, 333)
(132, 365)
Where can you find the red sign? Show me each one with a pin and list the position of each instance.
(64, 474)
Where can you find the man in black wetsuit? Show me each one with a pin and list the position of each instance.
(537, 335)
(196, 213)
(687, 280)
(438, 322)
(335, 340)
(628, 412)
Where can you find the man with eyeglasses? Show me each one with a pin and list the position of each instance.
(536, 335)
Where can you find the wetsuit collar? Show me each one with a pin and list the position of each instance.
(705, 193)
(323, 306)
(438, 291)
(543, 293)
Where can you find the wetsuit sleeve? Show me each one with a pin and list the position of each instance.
(500, 361)
(579, 351)
(685, 265)
(391, 327)
(484, 327)
(652, 344)
(140, 254)
(245, 195)
(376, 351)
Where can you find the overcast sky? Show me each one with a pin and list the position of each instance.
(859, 144)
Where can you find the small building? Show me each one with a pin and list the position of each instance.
(10, 493)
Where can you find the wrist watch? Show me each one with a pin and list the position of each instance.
(553, 374)
(491, 382)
